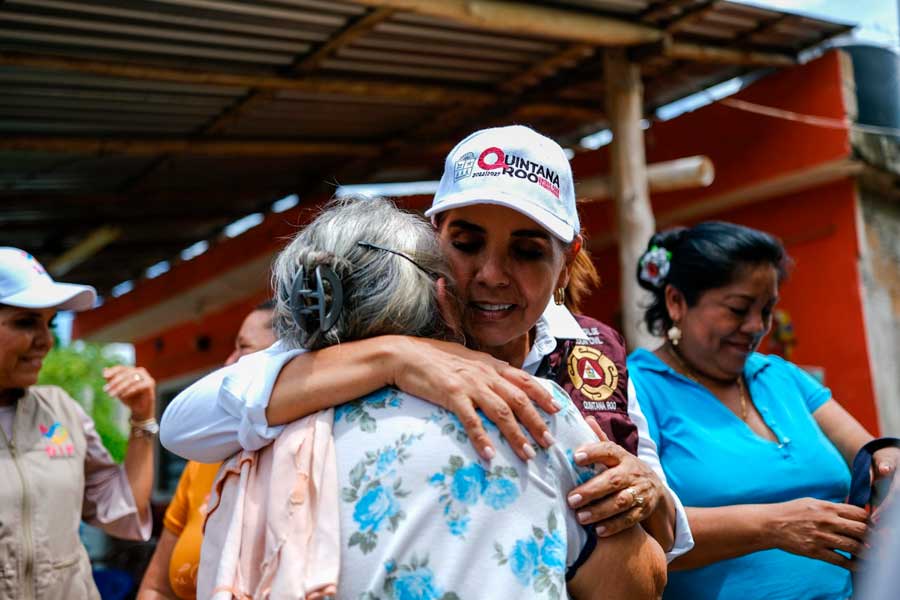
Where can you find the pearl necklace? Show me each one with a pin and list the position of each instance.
(689, 373)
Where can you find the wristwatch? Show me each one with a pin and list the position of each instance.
(146, 428)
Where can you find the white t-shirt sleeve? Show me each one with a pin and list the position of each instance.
(225, 411)
(684, 539)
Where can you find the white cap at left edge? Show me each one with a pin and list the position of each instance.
(25, 283)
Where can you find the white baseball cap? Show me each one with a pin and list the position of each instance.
(515, 167)
(25, 283)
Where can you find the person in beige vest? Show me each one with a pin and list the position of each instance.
(54, 469)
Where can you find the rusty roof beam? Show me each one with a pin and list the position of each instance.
(195, 147)
(726, 56)
(516, 18)
(425, 94)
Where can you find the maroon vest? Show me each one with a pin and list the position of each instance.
(592, 370)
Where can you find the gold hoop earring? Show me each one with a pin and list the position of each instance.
(674, 334)
(559, 296)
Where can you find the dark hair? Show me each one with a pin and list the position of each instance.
(704, 257)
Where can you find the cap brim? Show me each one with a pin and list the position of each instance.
(535, 212)
(61, 296)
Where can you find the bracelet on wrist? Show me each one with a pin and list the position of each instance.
(144, 428)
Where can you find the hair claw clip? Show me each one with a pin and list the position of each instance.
(309, 306)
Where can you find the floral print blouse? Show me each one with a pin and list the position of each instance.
(424, 518)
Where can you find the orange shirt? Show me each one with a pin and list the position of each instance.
(184, 518)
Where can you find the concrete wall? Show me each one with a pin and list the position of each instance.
(880, 269)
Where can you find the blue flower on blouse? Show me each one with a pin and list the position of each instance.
(411, 581)
(460, 525)
(468, 483)
(500, 492)
(461, 485)
(538, 560)
(524, 560)
(417, 585)
(385, 459)
(553, 551)
(374, 507)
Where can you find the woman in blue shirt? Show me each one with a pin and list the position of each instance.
(755, 448)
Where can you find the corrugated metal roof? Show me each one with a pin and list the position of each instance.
(392, 87)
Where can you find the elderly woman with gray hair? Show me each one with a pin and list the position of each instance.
(421, 514)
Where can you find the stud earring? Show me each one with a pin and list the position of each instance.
(674, 334)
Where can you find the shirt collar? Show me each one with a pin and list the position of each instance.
(562, 323)
(645, 359)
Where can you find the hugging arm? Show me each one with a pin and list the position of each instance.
(244, 405)
(639, 573)
(444, 373)
(639, 562)
(607, 502)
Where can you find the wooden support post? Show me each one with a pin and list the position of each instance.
(634, 215)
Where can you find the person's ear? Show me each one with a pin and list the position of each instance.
(574, 248)
(571, 252)
(675, 303)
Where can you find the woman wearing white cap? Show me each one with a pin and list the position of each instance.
(54, 469)
(506, 218)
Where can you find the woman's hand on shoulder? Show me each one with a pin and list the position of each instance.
(816, 528)
(623, 495)
(135, 387)
(464, 381)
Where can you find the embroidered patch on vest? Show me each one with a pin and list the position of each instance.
(56, 439)
(592, 373)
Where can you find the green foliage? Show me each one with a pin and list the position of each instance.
(78, 369)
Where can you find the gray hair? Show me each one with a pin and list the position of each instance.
(384, 293)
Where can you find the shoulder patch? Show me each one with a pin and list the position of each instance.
(592, 373)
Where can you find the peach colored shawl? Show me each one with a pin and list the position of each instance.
(273, 527)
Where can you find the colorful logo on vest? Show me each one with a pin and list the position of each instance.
(593, 374)
(58, 443)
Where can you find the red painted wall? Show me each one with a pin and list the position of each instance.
(194, 345)
(269, 236)
(822, 295)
